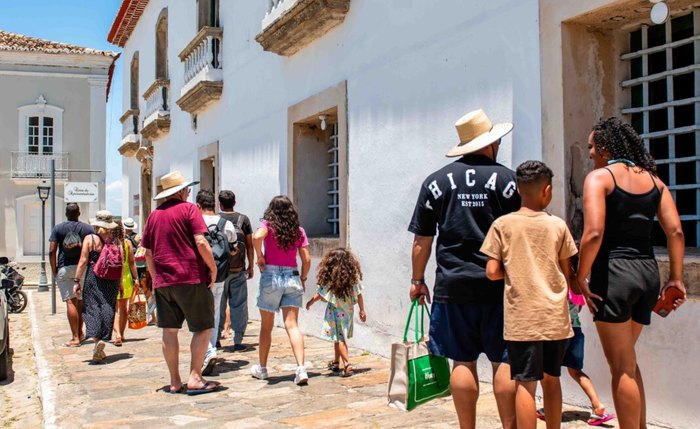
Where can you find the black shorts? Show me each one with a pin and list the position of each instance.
(530, 360)
(193, 303)
(629, 288)
(462, 332)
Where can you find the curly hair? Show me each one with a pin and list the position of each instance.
(283, 219)
(621, 141)
(340, 271)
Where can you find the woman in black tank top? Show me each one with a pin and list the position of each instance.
(617, 271)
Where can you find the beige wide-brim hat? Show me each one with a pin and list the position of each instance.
(103, 219)
(131, 224)
(476, 131)
(172, 183)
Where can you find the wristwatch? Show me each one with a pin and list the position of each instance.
(417, 282)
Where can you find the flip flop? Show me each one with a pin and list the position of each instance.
(596, 420)
(167, 389)
(540, 413)
(209, 387)
(69, 344)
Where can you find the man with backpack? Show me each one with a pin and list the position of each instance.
(66, 242)
(236, 287)
(221, 236)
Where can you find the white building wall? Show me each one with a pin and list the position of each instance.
(412, 69)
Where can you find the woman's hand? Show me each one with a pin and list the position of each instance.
(261, 263)
(587, 294)
(121, 290)
(309, 304)
(363, 316)
(77, 288)
(677, 284)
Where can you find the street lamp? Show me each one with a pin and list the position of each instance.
(43, 196)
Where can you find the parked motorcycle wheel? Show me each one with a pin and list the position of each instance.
(18, 302)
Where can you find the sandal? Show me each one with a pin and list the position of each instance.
(333, 365)
(118, 341)
(347, 371)
(596, 420)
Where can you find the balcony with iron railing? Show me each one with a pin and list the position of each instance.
(130, 132)
(204, 79)
(156, 122)
(289, 25)
(25, 165)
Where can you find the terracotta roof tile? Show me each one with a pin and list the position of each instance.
(127, 17)
(20, 43)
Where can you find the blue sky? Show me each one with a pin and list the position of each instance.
(84, 23)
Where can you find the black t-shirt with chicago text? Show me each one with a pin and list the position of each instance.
(60, 232)
(458, 203)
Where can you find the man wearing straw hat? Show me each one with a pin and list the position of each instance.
(461, 200)
(183, 270)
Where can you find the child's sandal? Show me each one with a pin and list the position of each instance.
(334, 366)
(347, 371)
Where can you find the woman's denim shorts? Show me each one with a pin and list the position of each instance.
(279, 287)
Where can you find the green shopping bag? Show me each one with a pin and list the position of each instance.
(416, 376)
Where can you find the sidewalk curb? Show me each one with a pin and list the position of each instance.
(46, 391)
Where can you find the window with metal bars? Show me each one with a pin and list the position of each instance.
(664, 66)
(333, 188)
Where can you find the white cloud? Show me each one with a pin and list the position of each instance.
(115, 186)
(113, 193)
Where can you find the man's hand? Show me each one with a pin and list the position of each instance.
(420, 292)
(251, 272)
(261, 263)
(212, 279)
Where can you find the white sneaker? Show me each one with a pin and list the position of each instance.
(98, 353)
(259, 372)
(209, 362)
(301, 378)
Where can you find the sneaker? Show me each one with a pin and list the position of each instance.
(98, 353)
(239, 348)
(209, 362)
(259, 372)
(301, 378)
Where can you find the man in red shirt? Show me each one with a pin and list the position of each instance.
(183, 270)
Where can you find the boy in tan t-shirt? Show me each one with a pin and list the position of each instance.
(531, 249)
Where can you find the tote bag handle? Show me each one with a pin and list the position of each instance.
(424, 309)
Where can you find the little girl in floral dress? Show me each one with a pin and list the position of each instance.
(339, 278)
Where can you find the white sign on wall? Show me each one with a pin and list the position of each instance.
(80, 192)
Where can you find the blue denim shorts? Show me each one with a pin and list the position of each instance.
(574, 352)
(279, 287)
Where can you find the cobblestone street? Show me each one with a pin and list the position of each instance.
(122, 392)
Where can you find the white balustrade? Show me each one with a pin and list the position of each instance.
(25, 165)
(203, 53)
(130, 124)
(157, 98)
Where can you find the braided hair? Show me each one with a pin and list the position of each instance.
(621, 141)
(284, 221)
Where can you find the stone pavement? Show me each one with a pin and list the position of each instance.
(121, 393)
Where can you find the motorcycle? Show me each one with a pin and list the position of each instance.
(12, 285)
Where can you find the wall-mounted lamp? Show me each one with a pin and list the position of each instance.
(323, 121)
(659, 12)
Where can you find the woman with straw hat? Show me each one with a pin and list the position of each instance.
(99, 294)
